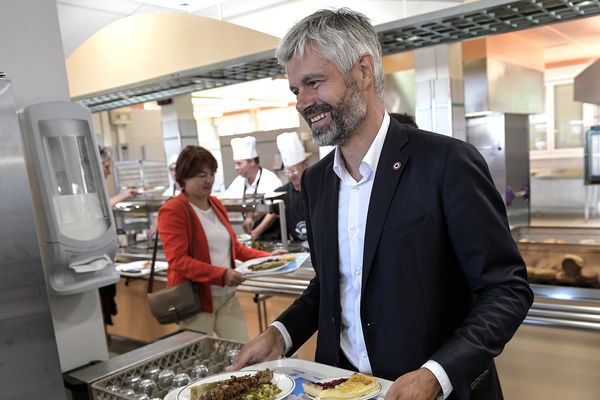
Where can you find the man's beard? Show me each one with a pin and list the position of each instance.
(345, 117)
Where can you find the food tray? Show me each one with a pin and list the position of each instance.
(545, 248)
(301, 370)
(207, 350)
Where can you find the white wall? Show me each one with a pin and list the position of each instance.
(144, 135)
(31, 51)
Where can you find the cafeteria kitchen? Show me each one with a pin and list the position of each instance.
(518, 80)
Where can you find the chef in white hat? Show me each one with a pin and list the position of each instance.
(295, 162)
(252, 179)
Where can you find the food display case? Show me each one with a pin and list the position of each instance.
(555, 354)
(562, 256)
(146, 174)
(259, 203)
(134, 217)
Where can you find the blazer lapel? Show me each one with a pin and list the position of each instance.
(392, 162)
(330, 270)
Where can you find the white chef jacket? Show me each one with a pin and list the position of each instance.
(267, 182)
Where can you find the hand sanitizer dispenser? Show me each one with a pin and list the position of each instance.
(76, 227)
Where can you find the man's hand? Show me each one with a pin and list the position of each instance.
(248, 224)
(416, 385)
(279, 252)
(267, 346)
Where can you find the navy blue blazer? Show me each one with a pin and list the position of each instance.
(442, 277)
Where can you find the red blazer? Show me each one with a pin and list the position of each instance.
(176, 222)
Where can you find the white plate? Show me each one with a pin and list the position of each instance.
(283, 382)
(141, 268)
(244, 238)
(245, 267)
(365, 396)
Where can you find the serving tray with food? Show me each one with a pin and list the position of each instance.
(240, 385)
(273, 265)
(141, 268)
(301, 372)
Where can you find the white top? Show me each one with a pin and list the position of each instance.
(355, 196)
(268, 183)
(219, 244)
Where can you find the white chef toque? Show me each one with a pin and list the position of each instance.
(291, 149)
(244, 148)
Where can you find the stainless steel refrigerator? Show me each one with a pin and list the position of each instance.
(29, 362)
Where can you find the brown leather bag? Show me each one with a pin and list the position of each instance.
(174, 303)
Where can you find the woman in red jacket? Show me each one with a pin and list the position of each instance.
(201, 246)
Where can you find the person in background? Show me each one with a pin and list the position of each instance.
(405, 119)
(252, 179)
(106, 169)
(201, 246)
(295, 162)
(418, 279)
(173, 189)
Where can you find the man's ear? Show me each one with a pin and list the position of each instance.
(366, 70)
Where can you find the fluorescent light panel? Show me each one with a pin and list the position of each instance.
(181, 5)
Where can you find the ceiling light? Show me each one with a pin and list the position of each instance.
(207, 114)
(265, 103)
(181, 5)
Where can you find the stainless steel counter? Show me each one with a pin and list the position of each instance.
(554, 306)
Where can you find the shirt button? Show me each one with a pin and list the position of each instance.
(356, 272)
(353, 230)
(364, 355)
(355, 188)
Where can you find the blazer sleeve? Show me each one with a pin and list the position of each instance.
(174, 230)
(490, 261)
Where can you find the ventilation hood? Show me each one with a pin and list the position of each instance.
(587, 84)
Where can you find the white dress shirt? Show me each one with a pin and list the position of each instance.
(355, 196)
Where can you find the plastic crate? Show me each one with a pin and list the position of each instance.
(207, 350)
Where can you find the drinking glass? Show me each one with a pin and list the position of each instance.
(132, 382)
(165, 379)
(147, 386)
(112, 388)
(199, 371)
(127, 392)
(152, 373)
(230, 356)
(181, 379)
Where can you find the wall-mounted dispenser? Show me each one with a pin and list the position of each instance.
(76, 227)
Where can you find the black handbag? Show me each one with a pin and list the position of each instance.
(175, 303)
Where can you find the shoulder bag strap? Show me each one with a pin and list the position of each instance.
(154, 251)
(151, 277)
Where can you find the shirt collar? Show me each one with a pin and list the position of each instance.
(371, 158)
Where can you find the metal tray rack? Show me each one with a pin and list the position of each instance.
(207, 350)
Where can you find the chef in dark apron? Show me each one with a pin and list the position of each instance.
(295, 163)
